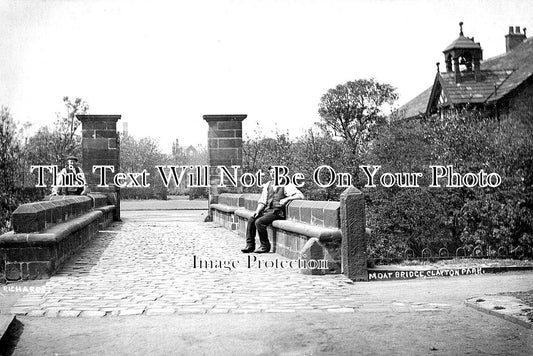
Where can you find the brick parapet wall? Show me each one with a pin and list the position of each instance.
(250, 201)
(290, 238)
(35, 217)
(232, 199)
(317, 213)
(49, 232)
(333, 231)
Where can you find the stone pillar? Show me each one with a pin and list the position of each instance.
(456, 69)
(224, 149)
(101, 146)
(354, 238)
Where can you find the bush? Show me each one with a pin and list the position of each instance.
(198, 193)
(417, 218)
(139, 193)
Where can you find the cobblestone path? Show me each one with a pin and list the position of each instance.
(145, 265)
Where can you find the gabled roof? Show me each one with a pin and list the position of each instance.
(499, 76)
(520, 60)
(416, 106)
(470, 90)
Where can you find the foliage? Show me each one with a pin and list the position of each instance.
(49, 146)
(260, 151)
(423, 217)
(198, 193)
(137, 155)
(9, 166)
(313, 150)
(141, 193)
(10, 150)
(407, 218)
(453, 217)
(354, 110)
(504, 216)
(46, 147)
(190, 156)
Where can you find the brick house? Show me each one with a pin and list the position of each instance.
(494, 86)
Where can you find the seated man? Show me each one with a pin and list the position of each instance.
(270, 207)
(71, 180)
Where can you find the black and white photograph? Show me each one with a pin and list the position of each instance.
(266, 177)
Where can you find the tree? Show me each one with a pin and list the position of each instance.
(138, 155)
(53, 146)
(9, 151)
(196, 157)
(260, 151)
(353, 110)
(9, 167)
(313, 150)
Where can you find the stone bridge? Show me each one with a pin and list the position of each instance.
(172, 262)
(100, 260)
(46, 234)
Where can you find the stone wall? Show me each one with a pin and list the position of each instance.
(313, 230)
(45, 234)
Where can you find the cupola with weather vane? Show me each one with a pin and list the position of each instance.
(463, 57)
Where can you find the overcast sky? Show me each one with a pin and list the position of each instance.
(164, 64)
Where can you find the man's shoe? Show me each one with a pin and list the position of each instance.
(248, 249)
(262, 249)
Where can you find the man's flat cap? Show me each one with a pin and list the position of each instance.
(74, 158)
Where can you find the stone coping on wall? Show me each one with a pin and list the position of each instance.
(317, 237)
(323, 234)
(315, 230)
(307, 217)
(58, 228)
(315, 212)
(37, 216)
(312, 212)
(51, 235)
(233, 199)
(250, 201)
(99, 199)
(244, 213)
(224, 208)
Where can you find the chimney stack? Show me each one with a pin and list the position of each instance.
(514, 38)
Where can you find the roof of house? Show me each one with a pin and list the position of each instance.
(519, 60)
(418, 105)
(470, 90)
(499, 76)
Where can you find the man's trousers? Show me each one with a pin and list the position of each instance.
(260, 224)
